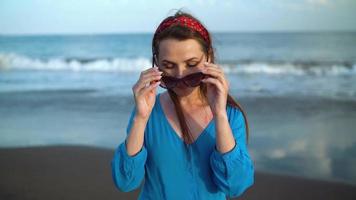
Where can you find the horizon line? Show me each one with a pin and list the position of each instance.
(146, 32)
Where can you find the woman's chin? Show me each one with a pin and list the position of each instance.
(184, 91)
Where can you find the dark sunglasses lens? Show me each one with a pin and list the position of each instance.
(168, 82)
(193, 80)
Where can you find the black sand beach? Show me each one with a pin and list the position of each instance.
(80, 172)
(305, 136)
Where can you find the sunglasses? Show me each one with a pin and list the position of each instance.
(191, 80)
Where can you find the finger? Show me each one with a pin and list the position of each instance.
(212, 72)
(144, 78)
(207, 64)
(143, 81)
(149, 70)
(147, 80)
(149, 88)
(215, 74)
(214, 82)
(149, 73)
(214, 67)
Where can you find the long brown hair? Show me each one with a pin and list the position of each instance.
(182, 33)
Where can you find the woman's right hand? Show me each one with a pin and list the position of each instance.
(145, 95)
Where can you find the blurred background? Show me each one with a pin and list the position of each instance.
(67, 69)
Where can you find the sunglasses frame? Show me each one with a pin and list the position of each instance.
(184, 79)
(175, 81)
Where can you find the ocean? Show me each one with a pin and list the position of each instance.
(298, 90)
(323, 64)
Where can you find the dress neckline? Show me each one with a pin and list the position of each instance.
(202, 133)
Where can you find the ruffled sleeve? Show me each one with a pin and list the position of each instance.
(128, 171)
(233, 171)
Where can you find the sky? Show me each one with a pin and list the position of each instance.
(125, 16)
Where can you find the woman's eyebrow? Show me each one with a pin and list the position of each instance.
(185, 60)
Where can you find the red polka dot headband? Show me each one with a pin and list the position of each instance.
(184, 21)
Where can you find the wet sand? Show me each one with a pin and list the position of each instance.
(82, 172)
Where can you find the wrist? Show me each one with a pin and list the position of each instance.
(220, 115)
(142, 119)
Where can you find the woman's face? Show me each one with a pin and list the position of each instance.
(180, 58)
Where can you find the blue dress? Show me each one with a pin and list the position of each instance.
(170, 171)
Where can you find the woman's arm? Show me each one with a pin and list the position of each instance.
(134, 140)
(233, 170)
(128, 163)
(225, 140)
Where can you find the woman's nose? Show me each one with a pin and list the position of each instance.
(179, 74)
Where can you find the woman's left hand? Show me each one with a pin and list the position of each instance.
(217, 88)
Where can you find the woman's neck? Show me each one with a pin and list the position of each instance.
(194, 99)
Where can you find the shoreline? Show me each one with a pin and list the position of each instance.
(84, 172)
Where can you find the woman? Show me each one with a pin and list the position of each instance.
(188, 142)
